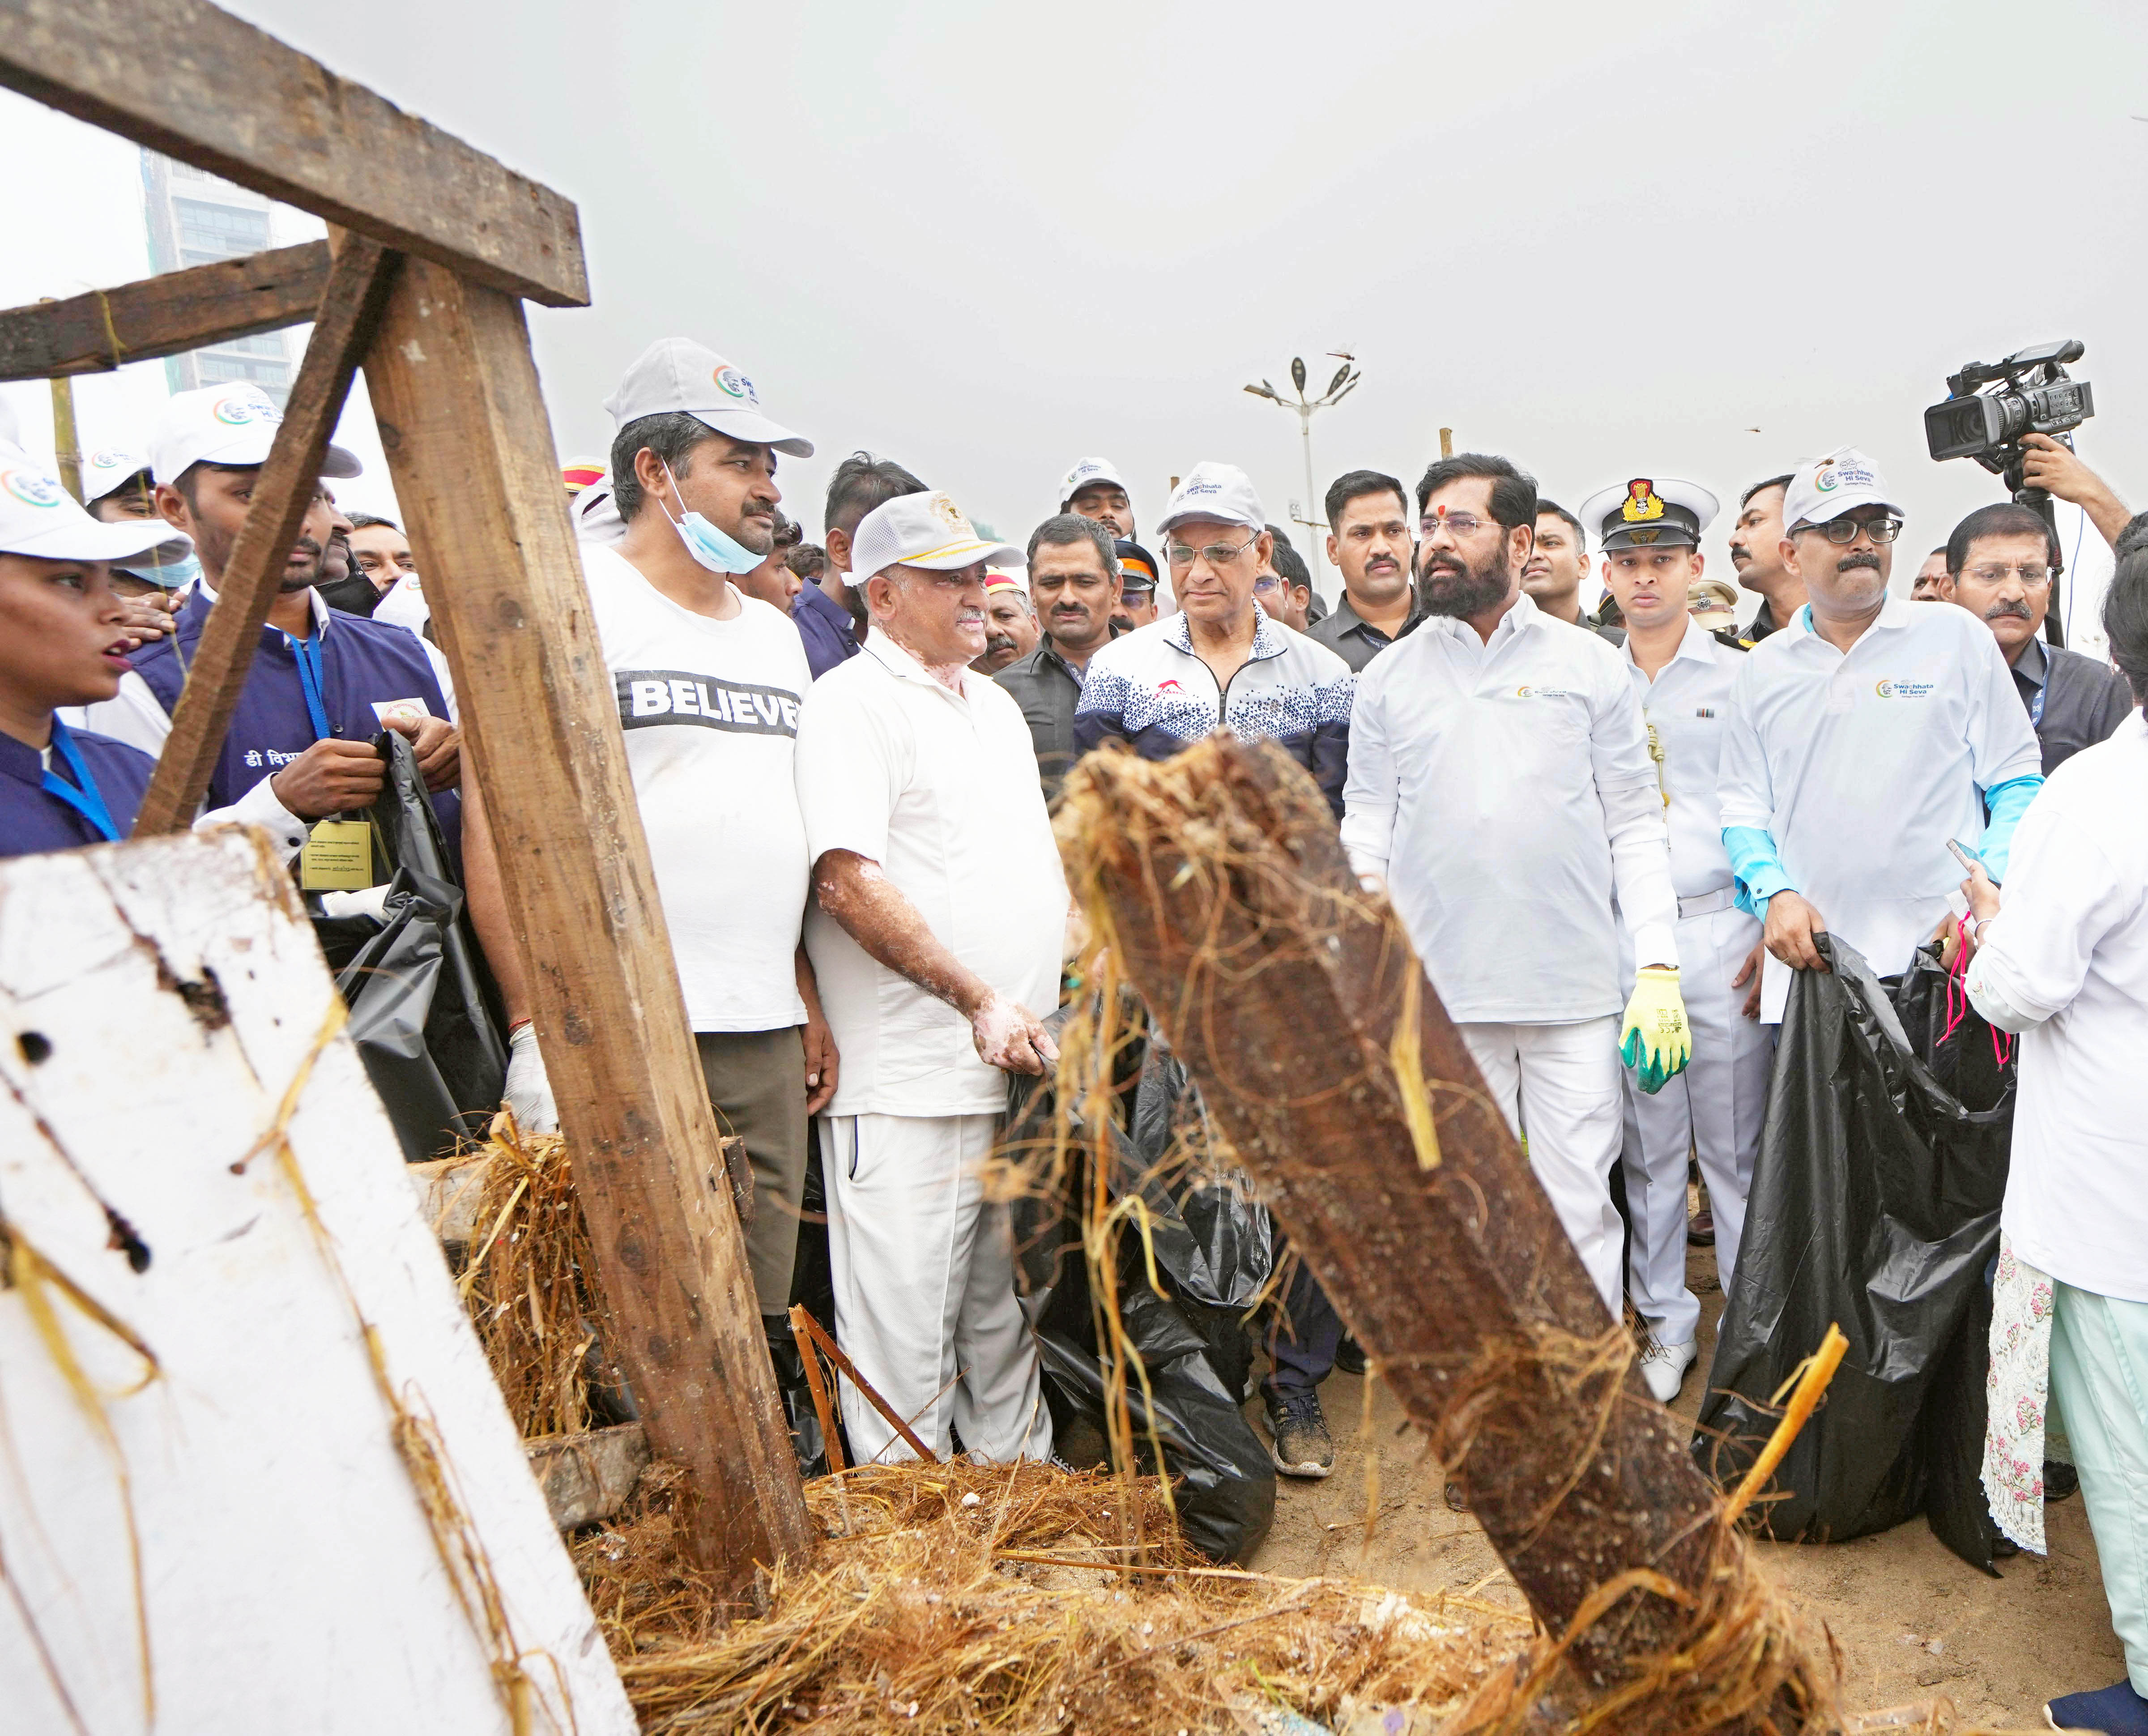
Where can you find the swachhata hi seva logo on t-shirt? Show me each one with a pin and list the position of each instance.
(1891, 690)
(1543, 693)
(32, 488)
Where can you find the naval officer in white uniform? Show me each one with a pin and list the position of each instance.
(1650, 533)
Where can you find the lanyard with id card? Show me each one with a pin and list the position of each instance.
(337, 853)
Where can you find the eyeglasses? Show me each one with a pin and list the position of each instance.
(1216, 554)
(1267, 581)
(1458, 524)
(1845, 530)
(2032, 577)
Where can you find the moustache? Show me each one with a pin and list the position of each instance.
(1862, 558)
(970, 618)
(2000, 611)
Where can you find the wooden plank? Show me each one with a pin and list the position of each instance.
(189, 79)
(314, 1362)
(455, 392)
(163, 316)
(343, 331)
(1282, 985)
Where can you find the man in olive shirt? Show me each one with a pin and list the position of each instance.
(1371, 547)
(1074, 583)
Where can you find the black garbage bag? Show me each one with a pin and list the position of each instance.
(1875, 1206)
(423, 1008)
(1213, 1250)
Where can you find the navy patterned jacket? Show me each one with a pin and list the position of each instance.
(1150, 692)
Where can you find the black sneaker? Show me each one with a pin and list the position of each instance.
(2061, 1481)
(1302, 1445)
(1349, 1356)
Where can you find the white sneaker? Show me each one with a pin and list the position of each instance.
(1663, 1366)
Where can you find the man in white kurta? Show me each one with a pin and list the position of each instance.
(936, 934)
(1500, 784)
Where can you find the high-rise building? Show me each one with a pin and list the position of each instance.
(195, 218)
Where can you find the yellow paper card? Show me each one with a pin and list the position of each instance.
(337, 856)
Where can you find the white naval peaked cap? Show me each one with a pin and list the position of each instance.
(677, 373)
(1210, 490)
(1085, 472)
(227, 424)
(922, 530)
(37, 516)
(1826, 488)
(1644, 513)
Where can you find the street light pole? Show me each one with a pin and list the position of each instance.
(1338, 388)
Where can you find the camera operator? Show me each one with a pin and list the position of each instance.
(2051, 465)
(1999, 565)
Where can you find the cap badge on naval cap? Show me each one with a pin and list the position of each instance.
(32, 488)
(1643, 503)
(735, 384)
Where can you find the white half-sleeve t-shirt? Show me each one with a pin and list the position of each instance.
(940, 789)
(709, 710)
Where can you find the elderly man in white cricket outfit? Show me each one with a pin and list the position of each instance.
(1650, 534)
(1500, 784)
(936, 935)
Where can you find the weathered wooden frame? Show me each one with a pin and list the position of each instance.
(434, 247)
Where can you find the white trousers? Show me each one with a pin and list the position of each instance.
(925, 1297)
(1559, 1084)
(1714, 1109)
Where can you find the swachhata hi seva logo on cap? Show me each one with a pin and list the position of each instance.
(729, 379)
(249, 403)
(32, 488)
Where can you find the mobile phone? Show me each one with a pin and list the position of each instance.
(1962, 855)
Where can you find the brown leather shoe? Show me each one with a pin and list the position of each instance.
(1700, 1229)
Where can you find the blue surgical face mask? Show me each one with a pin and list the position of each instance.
(707, 545)
(172, 574)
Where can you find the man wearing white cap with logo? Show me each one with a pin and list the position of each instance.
(1500, 784)
(1094, 489)
(63, 644)
(322, 684)
(1863, 735)
(1221, 663)
(1650, 534)
(709, 681)
(937, 932)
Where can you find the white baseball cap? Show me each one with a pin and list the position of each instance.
(922, 530)
(1221, 492)
(37, 516)
(595, 514)
(1087, 471)
(227, 424)
(677, 373)
(1826, 488)
(105, 468)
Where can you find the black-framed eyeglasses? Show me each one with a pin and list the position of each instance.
(1216, 554)
(1845, 530)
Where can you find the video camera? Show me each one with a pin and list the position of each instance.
(1995, 403)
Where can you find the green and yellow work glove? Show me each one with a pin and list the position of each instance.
(1656, 1041)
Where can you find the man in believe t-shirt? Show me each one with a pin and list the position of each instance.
(709, 681)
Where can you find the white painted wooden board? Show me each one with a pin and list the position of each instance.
(292, 1583)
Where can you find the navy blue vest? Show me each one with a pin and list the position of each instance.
(31, 821)
(363, 662)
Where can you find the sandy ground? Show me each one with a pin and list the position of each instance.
(1911, 1620)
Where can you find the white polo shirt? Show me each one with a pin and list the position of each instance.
(940, 789)
(1684, 708)
(1862, 765)
(710, 712)
(2070, 945)
(1505, 792)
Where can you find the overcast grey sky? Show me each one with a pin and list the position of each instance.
(986, 239)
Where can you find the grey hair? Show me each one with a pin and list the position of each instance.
(1063, 529)
(670, 434)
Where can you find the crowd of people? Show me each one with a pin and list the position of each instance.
(1611, 839)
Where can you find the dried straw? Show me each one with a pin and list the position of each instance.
(933, 1615)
